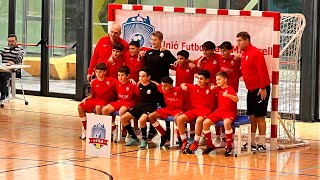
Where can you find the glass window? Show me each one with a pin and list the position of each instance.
(241, 4)
(182, 3)
(288, 6)
(3, 22)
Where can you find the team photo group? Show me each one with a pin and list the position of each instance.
(134, 81)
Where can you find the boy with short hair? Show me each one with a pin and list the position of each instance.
(126, 92)
(210, 60)
(102, 93)
(203, 103)
(227, 111)
(133, 60)
(231, 66)
(115, 61)
(173, 99)
(149, 97)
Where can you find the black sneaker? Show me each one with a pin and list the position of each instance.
(245, 147)
(152, 133)
(228, 151)
(208, 150)
(163, 140)
(261, 148)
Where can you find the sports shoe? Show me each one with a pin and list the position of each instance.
(202, 141)
(163, 140)
(183, 146)
(167, 135)
(221, 144)
(253, 147)
(143, 144)
(83, 134)
(193, 147)
(128, 138)
(115, 134)
(190, 140)
(228, 151)
(208, 150)
(152, 134)
(132, 142)
(261, 148)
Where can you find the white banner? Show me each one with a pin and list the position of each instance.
(98, 138)
(190, 31)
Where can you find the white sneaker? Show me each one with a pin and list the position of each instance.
(128, 138)
(222, 144)
(115, 134)
(202, 141)
(83, 134)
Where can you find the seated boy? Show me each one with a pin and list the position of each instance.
(231, 66)
(126, 93)
(133, 60)
(115, 61)
(101, 94)
(149, 97)
(203, 101)
(173, 100)
(227, 111)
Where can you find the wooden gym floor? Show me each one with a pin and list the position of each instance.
(41, 141)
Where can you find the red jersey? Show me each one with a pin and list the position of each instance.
(135, 64)
(103, 51)
(184, 74)
(212, 65)
(254, 69)
(202, 97)
(172, 98)
(127, 92)
(233, 70)
(103, 90)
(112, 68)
(226, 104)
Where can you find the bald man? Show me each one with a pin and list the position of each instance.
(103, 49)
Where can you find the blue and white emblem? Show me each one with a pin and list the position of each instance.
(138, 29)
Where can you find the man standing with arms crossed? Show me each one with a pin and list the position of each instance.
(256, 78)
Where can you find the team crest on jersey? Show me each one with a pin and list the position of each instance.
(108, 83)
(98, 136)
(187, 70)
(247, 58)
(207, 91)
(127, 88)
(232, 62)
(214, 62)
(150, 53)
(149, 91)
(175, 93)
(138, 28)
(161, 54)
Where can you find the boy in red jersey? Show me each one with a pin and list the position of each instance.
(126, 93)
(115, 61)
(227, 111)
(210, 60)
(231, 66)
(102, 93)
(203, 102)
(185, 74)
(173, 99)
(133, 60)
(256, 78)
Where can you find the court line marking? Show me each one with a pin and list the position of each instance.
(64, 162)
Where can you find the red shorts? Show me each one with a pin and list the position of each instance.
(219, 116)
(92, 103)
(193, 114)
(117, 105)
(165, 112)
